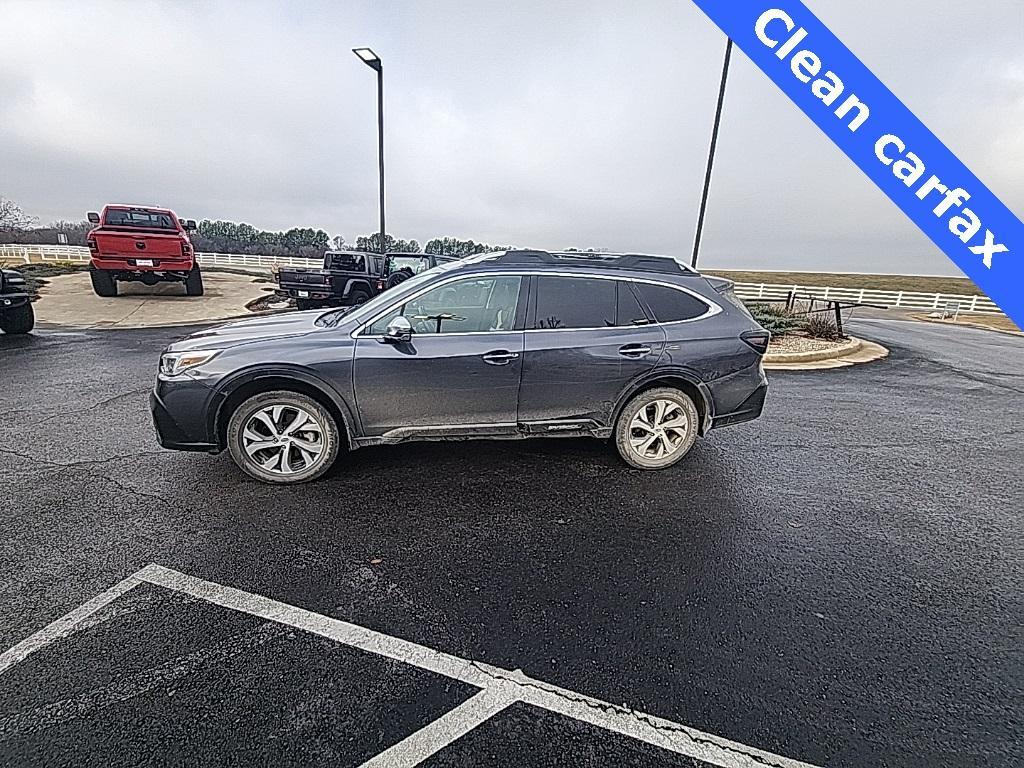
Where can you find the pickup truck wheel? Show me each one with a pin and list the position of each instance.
(303, 304)
(657, 428)
(358, 296)
(20, 320)
(103, 283)
(283, 437)
(194, 282)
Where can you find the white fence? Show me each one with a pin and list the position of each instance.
(747, 291)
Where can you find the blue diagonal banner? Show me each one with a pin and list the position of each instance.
(895, 149)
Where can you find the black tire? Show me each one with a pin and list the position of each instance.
(194, 282)
(399, 277)
(639, 421)
(358, 296)
(19, 320)
(326, 436)
(303, 304)
(103, 283)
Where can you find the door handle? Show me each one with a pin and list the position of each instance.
(634, 350)
(500, 357)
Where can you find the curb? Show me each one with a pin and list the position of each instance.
(854, 352)
(979, 326)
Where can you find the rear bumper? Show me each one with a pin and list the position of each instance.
(748, 410)
(312, 292)
(126, 264)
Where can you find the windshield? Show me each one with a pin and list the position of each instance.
(138, 219)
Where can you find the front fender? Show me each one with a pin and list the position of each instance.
(235, 381)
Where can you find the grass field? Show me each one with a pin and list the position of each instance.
(954, 285)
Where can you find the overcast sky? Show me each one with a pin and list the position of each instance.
(536, 123)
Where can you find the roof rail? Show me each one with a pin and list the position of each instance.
(636, 261)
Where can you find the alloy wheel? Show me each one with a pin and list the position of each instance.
(658, 429)
(284, 439)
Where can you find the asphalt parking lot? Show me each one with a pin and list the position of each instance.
(839, 583)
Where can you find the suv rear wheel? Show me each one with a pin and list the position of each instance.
(657, 428)
(283, 437)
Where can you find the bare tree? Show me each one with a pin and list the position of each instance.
(12, 218)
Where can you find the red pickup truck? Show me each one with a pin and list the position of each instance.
(142, 244)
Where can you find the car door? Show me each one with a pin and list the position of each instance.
(587, 338)
(459, 373)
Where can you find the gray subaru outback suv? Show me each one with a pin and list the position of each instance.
(516, 344)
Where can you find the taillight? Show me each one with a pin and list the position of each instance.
(380, 285)
(93, 248)
(757, 340)
(186, 250)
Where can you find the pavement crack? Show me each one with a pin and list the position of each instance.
(77, 466)
(519, 679)
(94, 406)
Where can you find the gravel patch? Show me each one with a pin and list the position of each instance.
(790, 344)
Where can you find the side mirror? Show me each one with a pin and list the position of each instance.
(93, 217)
(189, 224)
(399, 330)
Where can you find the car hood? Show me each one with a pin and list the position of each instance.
(247, 331)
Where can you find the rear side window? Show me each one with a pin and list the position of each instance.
(575, 302)
(628, 312)
(347, 262)
(670, 305)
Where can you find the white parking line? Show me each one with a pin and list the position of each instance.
(65, 625)
(418, 746)
(500, 687)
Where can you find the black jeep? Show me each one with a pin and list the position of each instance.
(350, 277)
(16, 315)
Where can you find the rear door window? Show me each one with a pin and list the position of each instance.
(575, 302)
(669, 305)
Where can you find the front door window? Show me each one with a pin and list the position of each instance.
(473, 305)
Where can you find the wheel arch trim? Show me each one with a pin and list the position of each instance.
(669, 375)
(284, 373)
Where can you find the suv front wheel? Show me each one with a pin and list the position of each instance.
(283, 437)
(657, 428)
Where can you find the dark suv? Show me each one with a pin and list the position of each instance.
(502, 345)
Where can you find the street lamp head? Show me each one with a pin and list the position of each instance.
(369, 58)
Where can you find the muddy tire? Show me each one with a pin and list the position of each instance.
(657, 428)
(16, 321)
(283, 437)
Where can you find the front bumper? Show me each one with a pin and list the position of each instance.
(183, 412)
(13, 300)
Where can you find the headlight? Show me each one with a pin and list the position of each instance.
(173, 363)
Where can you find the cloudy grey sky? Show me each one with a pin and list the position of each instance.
(540, 123)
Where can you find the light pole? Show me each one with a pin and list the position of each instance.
(373, 61)
(711, 153)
